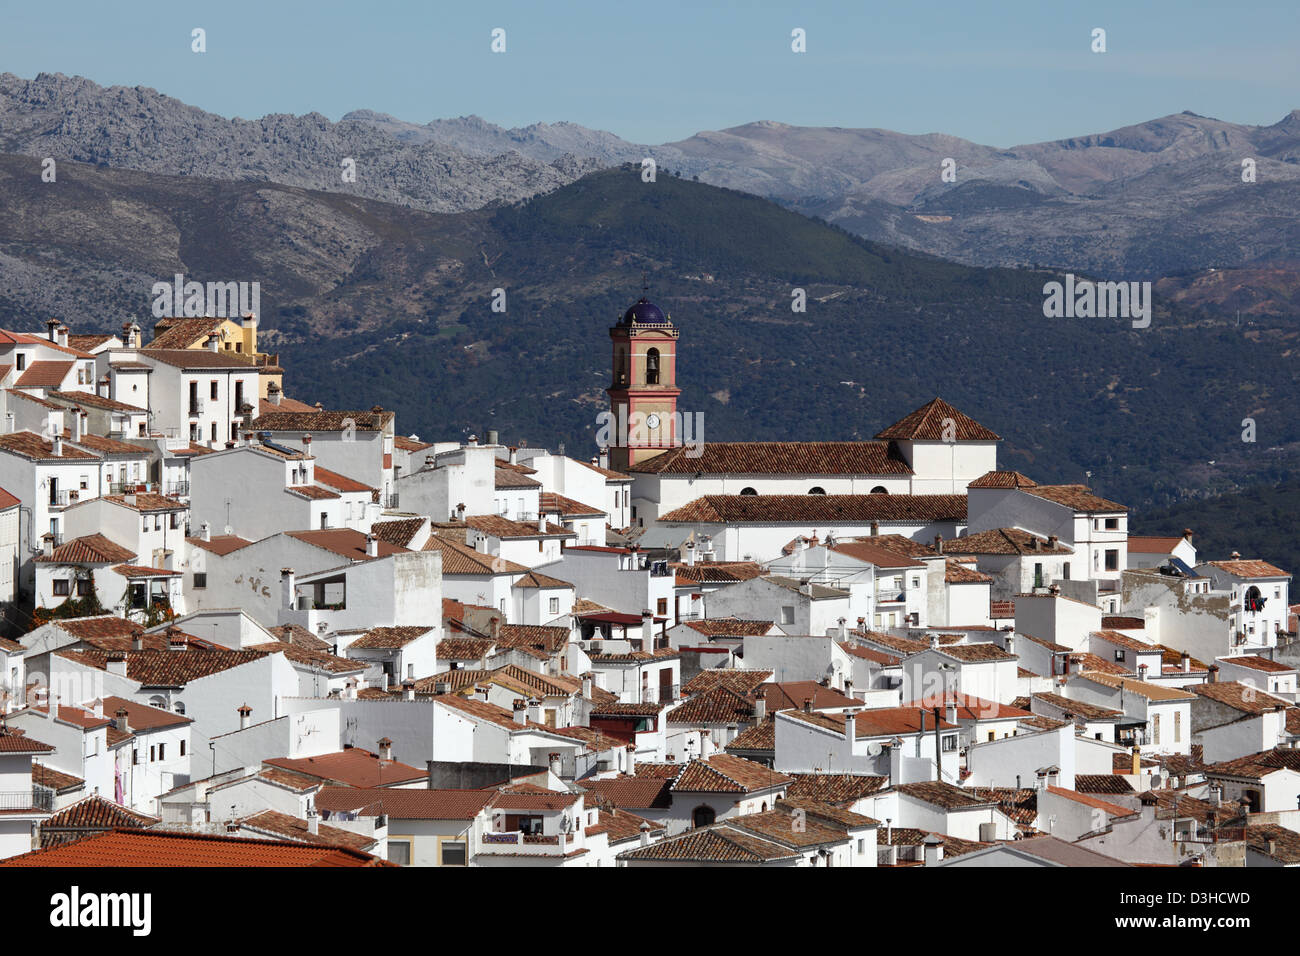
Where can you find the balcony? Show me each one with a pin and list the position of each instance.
(196, 407)
(389, 501)
(531, 844)
(37, 801)
(655, 695)
(177, 489)
(61, 499)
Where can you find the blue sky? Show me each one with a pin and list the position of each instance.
(997, 73)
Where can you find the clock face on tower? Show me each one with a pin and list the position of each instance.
(652, 420)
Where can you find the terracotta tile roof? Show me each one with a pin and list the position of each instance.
(623, 826)
(1105, 806)
(517, 800)
(14, 741)
(726, 773)
(409, 444)
(405, 804)
(399, 532)
(1116, 639)
(1146, 544)
(44, 374)
(220, 544)
(168, 668)
(88, 549)
(1113, 622)
(181, 333)
(482, 710)
(293, 634)
(1275, 842)
(297, 782)
(509, 478)
(144, 501)
(877, 722)
(957, 573)
(87, 342)
(460, 558)
(199, 359)
(56, 780)
(96, 629)
(715, 844)
(501, 527)
(974, 653)
(142, 717)
(780, 458)
(312, 492)
(1108, 783)
(760, 738)
(390, 637)
(717, 705)
(784, 694)
(1239, 696)
(1021, 805)
(339, 482)
(302, 654)
(970, 707)
(463, 648)
(1076, 497)
(717, 572)
(632, 793)
(834, 788)
(322, 421)
(95, 813)
(1257, 663)
(535, 579)
(352, 767)
(345, 542)
(595, 740)
(741, 681)
(1257, 765)
(730, 627)
(281, 825)
(820, 509)
(1002, 479)
(551, 503)
(940, 794)
(1003, 541)
(542, 636)
(1078, 708)
(876, 657)
(155, 848)
(775, 825)
(32, 446)
(616, 708)
(1141, 688)
(92, 400)
(882, 557)
(936, 420)
(1099, 665)
(1250, 569)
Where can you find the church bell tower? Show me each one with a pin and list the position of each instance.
(643, 393)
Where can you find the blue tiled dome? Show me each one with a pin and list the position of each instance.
(645, 312)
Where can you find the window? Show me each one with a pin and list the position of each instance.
(1112, 559)
(212, 389)
(652, 367)
(949, 743)
(1065, 571)
(22, 361)
(1112, 524)
(661, 607)
(162, 751)
(748, 491)
(85, 482)
(816, 490)
(153, 754)
(703, 816)
(62, 587)
(880, 490)
(83, 587)
(182, 748)
(555, 605)
(135, 758)
(1119, 657)
(200, 579)
(452, 852)
(916, 582)
(399, 852)
(787, 614)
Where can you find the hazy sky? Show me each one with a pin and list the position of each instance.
(997, 73)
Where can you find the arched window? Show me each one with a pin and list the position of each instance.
(880, 490)
(816, 490)
(158, 701)
(652, 367)
(620, 367)
(703, 816)
(179, 707)
(748, 491)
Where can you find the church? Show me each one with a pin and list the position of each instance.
(916, 470)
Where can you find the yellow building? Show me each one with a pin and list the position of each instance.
(220, 335)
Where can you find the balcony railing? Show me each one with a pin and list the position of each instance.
(531, 843)
(390, 501)
(61, 499)
(655, 695)
(196, 406)
(41, 801)
(177, 489)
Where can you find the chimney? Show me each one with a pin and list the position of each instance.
(306, 444)
(807, 705)
(690, 554)
(629, 761)
(274, 393)
(313, 822)
(952, 711)
(385, 749)
(933, 850)
(586, 686)
(1213, 677)
(850, 729)
(1142, 672)
(51, 705)
(1009, 645)
(473, 441)
(47, 544)
(408, 690)
(938, 543)
(122, 721)
(116, 664)
(934, 642)
(760, 705)
(63, 335)
(875, 529)
(844, 631)
(1236, 555)
(1135, 764)
(176, 640)
(645, 833)
(460, 512)
(286, 588)
(647, 631)
(514, 455)
(535, 710)
(52, 326)
(205, 532)
(372, 546)
(1051, 541)
(521, 711)
(1185, 660)
(1216, 794)
(554, 761)
(213, 343)
(1187, 533)
(245, 716)
(77, 416)
(541, 521)
(56, 446)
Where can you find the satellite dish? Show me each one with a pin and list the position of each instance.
(1155, 781)
(874, 750)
